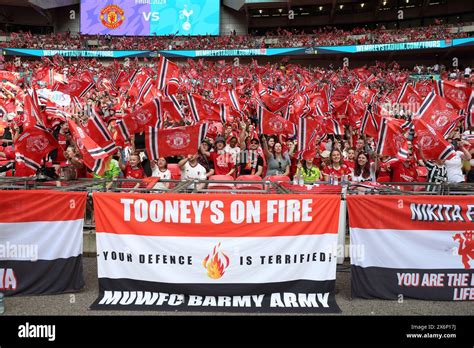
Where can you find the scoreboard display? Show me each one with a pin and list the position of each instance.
(150, 17)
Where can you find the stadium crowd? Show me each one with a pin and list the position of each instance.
(327, 36)
(309, 124)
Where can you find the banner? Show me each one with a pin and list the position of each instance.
(178, 252)
(41, 242)
(150, 17)
(418, 247)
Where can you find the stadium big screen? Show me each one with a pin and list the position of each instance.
(150, 17)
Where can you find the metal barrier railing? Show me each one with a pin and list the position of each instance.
(224, 186)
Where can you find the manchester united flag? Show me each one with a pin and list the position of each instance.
(149, 115)
(33, 145)
(422, 248)
(439, 113)
(179, 141)
(271, 124)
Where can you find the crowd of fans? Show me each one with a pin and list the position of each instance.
(328, 36)
(238, 147)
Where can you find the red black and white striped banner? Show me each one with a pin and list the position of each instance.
(418, 247)
(197, 253)
(41, 242)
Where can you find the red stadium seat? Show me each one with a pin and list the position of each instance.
(175, 171)
(278, 178)
(220, 185)
(249, 186)
(422, 173)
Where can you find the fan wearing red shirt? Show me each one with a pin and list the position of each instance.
(384, 171)
(336, 166)
(404, 171)
(132, 170)
(223, 164)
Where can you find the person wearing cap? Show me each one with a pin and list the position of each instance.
(325, 160)
(223, 164)
(250, 162)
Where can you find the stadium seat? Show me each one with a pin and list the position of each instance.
(249, 186)
(278, 178)
(175, 171)
(220, 185)
(422, 173)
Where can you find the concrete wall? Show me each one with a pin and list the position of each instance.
(63, 21)
(22, 16)
(232, 20)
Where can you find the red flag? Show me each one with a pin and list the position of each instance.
(309, 131)
(230, 99)
(121, 79)
(33, 145)
(333, 127)
(408, 95)
(31, 113)
(370, 124)
(469, 120)
(339, 108)
(457, 93)
(298, 107)
(430, 142)
(272, 124)
(149, 115)
(92, 154)
(439, 113)
(86, 76)
(171, 108)
(271, 98)
(364, 93)
(180, 141)
(424, 88)
(75, 88)
(46, 75)
(205, 110)
(141, 86)
(168, 76)
(392, 142)
(97, 129)
(355, 110)
(9, 76)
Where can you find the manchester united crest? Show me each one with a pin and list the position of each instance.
(427, 140)
(142, 118)
(73, 86)
(440, 119)
(456, 94)
(207, 109)
(276, 124)
(399, 140)
(178, 140)
(37, 143)
(112, 16)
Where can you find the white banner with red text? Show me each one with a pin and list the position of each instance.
(245, 253)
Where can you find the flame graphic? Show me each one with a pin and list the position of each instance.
(215, 264)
